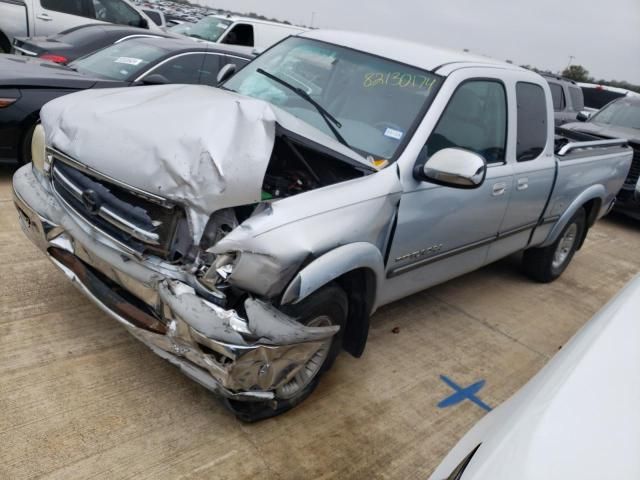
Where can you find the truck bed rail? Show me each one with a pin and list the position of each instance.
(572, 146)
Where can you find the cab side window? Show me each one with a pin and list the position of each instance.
(532, 121)
(70, 7)
(241, 34)
(475, 119)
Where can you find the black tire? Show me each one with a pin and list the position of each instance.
(330, 301)
(25, 145)
(542, 264)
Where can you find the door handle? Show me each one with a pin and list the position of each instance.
(523, 184)
(44, 16)
(499, 189)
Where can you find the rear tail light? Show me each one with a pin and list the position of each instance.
(54, 58)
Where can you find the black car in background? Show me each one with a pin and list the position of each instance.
(619, 119)
(77, 42)
(27, 83)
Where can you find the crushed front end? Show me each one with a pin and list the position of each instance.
(130, 252)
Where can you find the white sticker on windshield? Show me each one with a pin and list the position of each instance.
(223, 25)
(393, 133)
(128, 60)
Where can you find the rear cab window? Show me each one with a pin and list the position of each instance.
(557, 95)
(577, 100)
(532, 121)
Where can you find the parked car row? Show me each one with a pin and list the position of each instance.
(26, 83)
(174, 11)
(246, 233)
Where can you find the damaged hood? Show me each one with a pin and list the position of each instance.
(604, 130)
(198, 146)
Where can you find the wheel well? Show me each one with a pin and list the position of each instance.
(27, 123)
(591, 209)
(4, 43)
(360, 287)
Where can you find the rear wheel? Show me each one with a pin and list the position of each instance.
(547, 263)
(328, 306)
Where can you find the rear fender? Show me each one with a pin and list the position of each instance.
(594, 192)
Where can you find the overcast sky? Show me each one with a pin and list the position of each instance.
(602, 35)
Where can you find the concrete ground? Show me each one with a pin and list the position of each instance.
(80, 398)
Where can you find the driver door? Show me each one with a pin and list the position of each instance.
(442, 231)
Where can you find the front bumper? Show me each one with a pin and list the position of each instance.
(238, 358)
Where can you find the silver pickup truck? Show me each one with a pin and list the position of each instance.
(246, 234)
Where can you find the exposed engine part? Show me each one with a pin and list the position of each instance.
(219, 226)
(295, 168)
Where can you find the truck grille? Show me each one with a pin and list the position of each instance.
(634, 173)
(136, 223)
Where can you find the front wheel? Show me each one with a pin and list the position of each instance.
(547, 263)
(328, 306)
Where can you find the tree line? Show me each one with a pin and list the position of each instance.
(580, 74)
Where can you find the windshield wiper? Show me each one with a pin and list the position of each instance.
(329, 119)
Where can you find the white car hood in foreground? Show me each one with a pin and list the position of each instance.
(202, 147)
(578, 418)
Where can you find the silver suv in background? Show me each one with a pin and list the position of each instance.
(567, 98)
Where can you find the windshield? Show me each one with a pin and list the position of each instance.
(375, 101)
(621, 113)
(208, 28)
(121, 61)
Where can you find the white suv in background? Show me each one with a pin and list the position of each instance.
(28, 18)
(244, 31)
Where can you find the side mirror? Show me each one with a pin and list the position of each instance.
(155, 79)
(226, 72)
(453, 167)
(583, 116)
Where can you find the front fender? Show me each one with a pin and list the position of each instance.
(332, 265)
(594, 192)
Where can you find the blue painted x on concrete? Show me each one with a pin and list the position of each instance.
(461, 394)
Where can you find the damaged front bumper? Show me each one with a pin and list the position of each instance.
(238, 358)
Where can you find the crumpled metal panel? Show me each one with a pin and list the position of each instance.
(201, 147)
(273, 245)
